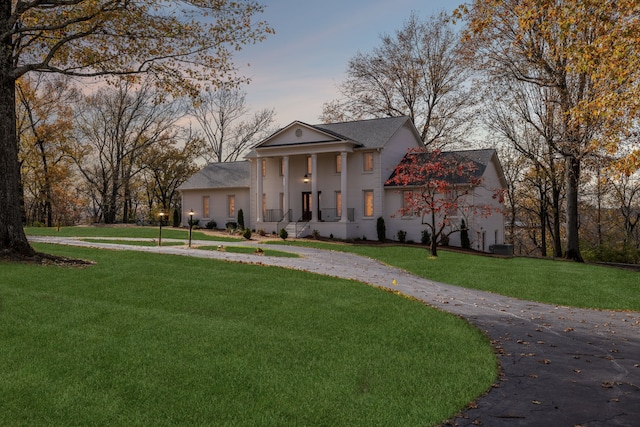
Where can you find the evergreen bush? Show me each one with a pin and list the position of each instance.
(283, 234)
(247, 233)
(464, 236)
(241, 219)
(425, 239)
(381, 229)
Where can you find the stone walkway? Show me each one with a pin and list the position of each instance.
(561, 366)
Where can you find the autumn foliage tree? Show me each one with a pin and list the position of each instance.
(584, 53)
(179, 43)
(435, 187)
(45, 119)
(417, 72)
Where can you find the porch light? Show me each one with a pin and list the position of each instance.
(305, 179)
(160, 234)
(191, 213)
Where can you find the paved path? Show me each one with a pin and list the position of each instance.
(561, 366)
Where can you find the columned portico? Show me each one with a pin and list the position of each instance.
(259, 190)
(343, 187)
(314, 188)
(286, 204)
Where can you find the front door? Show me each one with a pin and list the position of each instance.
(307, 206)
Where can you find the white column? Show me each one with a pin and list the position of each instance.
(285, 184)
(259, 189)
(343, 187)
(314, 188)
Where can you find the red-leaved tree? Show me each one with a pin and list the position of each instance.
(436, 187)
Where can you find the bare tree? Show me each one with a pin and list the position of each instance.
(167, 165)
(116, 38)
(228, 127)
(418, 72)
(114, 128)
(527, 119)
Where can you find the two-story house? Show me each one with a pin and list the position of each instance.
(328, 178)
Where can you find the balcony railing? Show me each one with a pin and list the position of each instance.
(331, 215)
(273, 215)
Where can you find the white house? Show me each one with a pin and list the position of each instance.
(329, 178)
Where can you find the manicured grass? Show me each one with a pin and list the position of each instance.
(251, 250)
(126, 232)
(144, 339)
(134, 242)
(549, 281)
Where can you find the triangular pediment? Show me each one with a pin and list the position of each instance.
(298, 133)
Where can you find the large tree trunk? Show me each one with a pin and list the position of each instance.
(573, 177)
(12, 237)
(557, 240)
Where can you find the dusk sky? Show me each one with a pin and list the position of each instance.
(298, 69)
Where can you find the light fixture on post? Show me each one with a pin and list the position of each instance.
(190, 225)
(160, 235)
(305, 179)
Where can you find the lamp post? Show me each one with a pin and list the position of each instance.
(190, 225)
(160, 236)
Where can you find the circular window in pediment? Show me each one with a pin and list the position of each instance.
(298, 133)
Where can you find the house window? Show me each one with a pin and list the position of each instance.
(367, 164)
(338, 204)
(231, 206)
(281, 198)
(264, 205)
(264, 168)
(338, 163)
(368, 203)
(309, 165)
(282, 166)
(407, 205)
(205, 206)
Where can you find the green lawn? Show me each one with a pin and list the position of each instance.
(150, 242)
(251, 250)
(145, 339)
(126, 232)
(550, 281)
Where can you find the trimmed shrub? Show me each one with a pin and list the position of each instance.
(176, 218)
(211, 225)
(464, 236)
(241, 219)
(381, 229)
(247, 233)
(425, 239)
(402, 236)
(283, 234)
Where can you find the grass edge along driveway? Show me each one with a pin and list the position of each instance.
(146, 339)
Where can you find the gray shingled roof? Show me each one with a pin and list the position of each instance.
(374, 133)
(480, 158)
(220, 175)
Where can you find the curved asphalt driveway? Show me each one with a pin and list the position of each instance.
(561, 366)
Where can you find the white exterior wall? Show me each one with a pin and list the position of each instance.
(218, 206)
